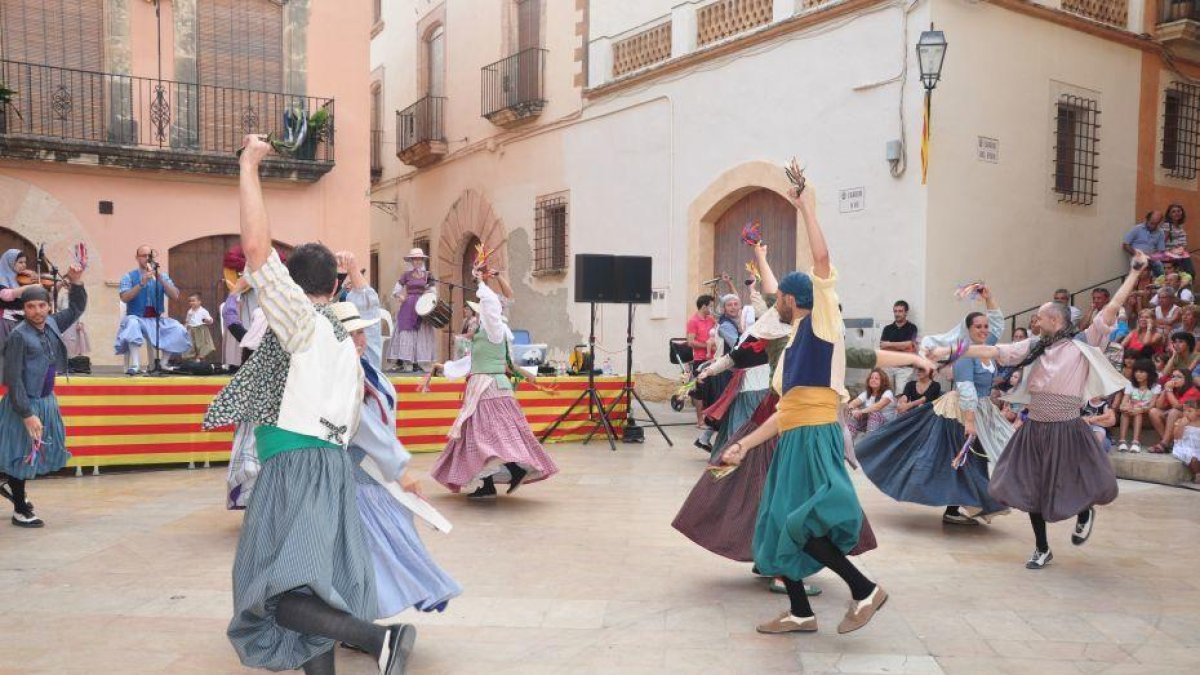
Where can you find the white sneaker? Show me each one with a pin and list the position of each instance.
(1135, 447)
(1084, 530)
(1122, 447)
(1039, 559)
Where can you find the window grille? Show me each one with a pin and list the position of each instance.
(1181, 130)
(550, 235)
(1076, 136)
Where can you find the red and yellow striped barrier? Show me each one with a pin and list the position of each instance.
(115, 421)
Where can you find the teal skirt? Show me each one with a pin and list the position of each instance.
(16, 445)
(807, 494)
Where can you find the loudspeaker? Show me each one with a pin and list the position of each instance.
(595, 278)
(633, 279)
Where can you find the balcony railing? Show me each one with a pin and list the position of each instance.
(1178, 10)
(513, 87)
(74, 110)
(376, 154)
(420, 134)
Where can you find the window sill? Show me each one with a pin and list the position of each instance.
(377, 28)
(550, 273)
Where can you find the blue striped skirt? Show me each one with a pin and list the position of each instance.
(302, 530)
(15, 443)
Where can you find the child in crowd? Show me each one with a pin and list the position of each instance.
(1177, 393)
(875, 406)
(1140, 395)
(1186, 431)
(1011, 411)
(198, 323)
(1100, 416)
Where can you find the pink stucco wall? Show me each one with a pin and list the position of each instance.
(58, 203)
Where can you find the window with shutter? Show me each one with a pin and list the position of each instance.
(239, 61)
(66, 98)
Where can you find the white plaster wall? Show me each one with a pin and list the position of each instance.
(609, 18)
(1001, 222)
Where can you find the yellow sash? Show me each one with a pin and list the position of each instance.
(807, 407)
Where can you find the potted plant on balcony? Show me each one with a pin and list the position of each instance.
(6, 102)
(320, 127)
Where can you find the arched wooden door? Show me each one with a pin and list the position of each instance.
(196, 267)
(778, 219)
(464, 274)
(10, 239)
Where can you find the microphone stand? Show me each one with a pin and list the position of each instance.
(159, 291)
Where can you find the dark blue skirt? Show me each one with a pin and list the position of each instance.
(910, 458)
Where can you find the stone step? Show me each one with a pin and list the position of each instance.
(1162, 469)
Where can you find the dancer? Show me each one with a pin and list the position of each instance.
(358, 291)
(145, 321)
(412, 342)
(33, 441)
(405, 574)
(809, 516)
(923, 457)
(1054, 467)
(302, 577)
(490, 441)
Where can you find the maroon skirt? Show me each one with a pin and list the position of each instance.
(719, 514)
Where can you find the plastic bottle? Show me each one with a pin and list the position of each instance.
(608, 367)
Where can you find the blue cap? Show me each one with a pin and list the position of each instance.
(799, 286)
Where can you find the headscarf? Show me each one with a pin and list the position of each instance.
(8, 268)
(798, 285)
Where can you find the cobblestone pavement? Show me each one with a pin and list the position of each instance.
(583, 574)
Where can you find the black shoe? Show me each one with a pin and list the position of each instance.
(417, 369)
(703, 446)
(518, 475)
(485, 491)
(953, 516)
(397, 648)
(1084, 530)
(1039, 559)
(27, 519)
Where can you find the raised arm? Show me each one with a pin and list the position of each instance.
(255, 229)
(76, 303)
(806, 205)
(770, 285)
(1109, 313)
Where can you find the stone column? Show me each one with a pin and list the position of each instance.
(599, 61)
(185, 123)
(683, 30)
(782, 9)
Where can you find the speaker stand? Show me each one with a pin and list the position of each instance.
(595, 403)
(628, 392)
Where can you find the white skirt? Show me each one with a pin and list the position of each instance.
(413, 345)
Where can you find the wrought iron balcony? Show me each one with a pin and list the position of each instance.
(1179, 26)
(64, 114)
(376, 154)
(513, 87)
(420, 132)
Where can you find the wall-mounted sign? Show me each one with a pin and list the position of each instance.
(988, 150)
(852, 199)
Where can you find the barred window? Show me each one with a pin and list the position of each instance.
(422, 242)
(550, 235)
(1181, 130)
(1076, 135)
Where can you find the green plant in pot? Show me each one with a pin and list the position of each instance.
(6, 103)
(320, 128)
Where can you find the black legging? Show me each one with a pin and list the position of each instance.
(823, 550)
(309, 615)
(1039, 527)
(17, 486)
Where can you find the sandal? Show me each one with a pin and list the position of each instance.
(1158, 449)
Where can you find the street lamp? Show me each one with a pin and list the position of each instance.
(931, 52)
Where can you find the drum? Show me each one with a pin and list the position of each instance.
(433, 311)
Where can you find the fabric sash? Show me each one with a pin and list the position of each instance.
(807, 407)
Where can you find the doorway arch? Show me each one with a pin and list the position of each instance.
(470, 222)
(13, 239)
(196, 267)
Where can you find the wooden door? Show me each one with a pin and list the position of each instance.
(10, 239)
(529, 41)
(197, 266)
(436, 60)
(778, 219)
(464, 271)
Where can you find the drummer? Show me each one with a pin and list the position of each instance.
(413, 339)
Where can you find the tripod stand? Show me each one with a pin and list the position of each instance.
(595, 404)
(628, 392)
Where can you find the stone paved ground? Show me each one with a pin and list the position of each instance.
(583, 574)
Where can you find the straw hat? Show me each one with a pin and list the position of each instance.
(351, 320)
(416, 253)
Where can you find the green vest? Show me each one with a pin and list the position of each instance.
(488, 358)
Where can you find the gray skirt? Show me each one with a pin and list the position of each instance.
(302, 530)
